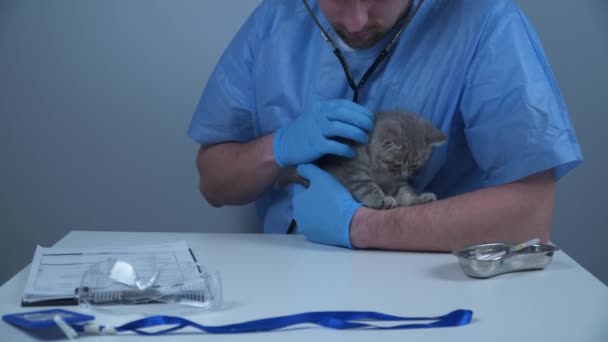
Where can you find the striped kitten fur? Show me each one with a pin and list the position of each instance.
(400, 143)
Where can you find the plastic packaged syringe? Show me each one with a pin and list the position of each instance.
(117, 282)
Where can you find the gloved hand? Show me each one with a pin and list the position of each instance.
(311, 135)
(324, 210)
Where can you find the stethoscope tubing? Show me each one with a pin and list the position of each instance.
(356, 87)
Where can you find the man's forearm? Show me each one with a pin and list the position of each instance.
(512, 212)
(236, 173)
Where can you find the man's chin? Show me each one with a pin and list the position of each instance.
(361, 43)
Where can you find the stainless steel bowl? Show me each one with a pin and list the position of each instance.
(534, 257)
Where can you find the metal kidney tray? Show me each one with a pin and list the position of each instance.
(534, 257)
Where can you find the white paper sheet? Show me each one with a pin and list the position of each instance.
(57, 272)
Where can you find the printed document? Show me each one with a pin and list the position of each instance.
(56, 272)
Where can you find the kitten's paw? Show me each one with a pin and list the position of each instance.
(389, 202)
(373, 202)
(377, 202)
(404, 198)
(426, 197)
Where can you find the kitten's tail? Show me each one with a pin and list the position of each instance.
(289, 176)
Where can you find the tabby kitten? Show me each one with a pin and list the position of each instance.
(400, 143)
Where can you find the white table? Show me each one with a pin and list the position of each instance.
(269, 275)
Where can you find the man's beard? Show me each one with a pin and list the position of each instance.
(368, 40)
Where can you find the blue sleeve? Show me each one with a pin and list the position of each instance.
(227, 105)
(516, 122)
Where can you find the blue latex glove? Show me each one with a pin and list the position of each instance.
(310, 136)
(323, 211)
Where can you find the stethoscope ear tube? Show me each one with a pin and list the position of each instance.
(356, 87)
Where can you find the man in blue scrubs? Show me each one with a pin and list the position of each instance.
(476, 69)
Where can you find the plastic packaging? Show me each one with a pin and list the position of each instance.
(120, 282)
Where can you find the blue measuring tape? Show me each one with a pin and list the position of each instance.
(340, 320)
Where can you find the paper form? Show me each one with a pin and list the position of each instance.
(57, 272)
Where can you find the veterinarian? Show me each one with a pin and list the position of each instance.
(300, 74)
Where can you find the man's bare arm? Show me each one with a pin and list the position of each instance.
(236, 173)
(512, 212)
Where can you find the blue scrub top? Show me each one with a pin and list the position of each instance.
(476, 69)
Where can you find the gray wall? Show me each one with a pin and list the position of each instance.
(95, 98)
(575, 37)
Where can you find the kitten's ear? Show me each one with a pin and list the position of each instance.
(435, 137)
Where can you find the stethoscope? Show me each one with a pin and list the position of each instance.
(356, 87)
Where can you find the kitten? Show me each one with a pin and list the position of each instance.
(400, 143)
